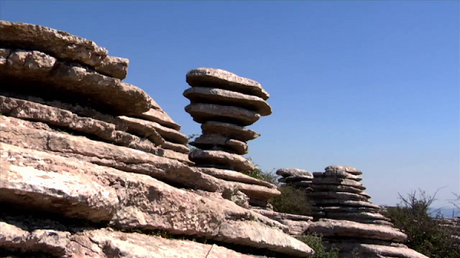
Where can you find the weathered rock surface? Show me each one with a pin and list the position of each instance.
(339, 196)
(347, 169)
(230, 130)
(63, 46)
(161, 117)
(288, 172)
(211, 112)
(132, 201)
(217, 78)
(38, 70)
(297, 224)
(176, 147)
(376, 251)
(231, 175)
(228, 98)
(222, 158)
(337, 181)
(338, 188)
(344, 228)
(216, 141)
(337, 174)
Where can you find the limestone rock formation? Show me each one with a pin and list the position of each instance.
(349, 221)
(224, 103)
(295, 177)
(93, 159)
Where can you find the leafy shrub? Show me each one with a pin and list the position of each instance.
(292, 200)
(316, 243)
(424, 233)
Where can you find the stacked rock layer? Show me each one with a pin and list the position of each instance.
(349, 221)
(91, 159)
(225, 103)
(298, 178)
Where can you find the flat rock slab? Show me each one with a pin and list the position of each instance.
(214, 157)
(303, 183)
(230, 130)
(256, 191)
(338, 196)
(351, 170)
(145, 127)
(345, 228)
(40, 70)
(350, 250)
(354, 209)
(228, 98)
(287, 172)
(337, 181)
(337, 174)
(161, 117)
(291, 179)
(218, 78)
(137, 201)
(211, 112)
(211, 141)
(231, 175)
(335, 202)
(61, 45)
(338, 188)
(283, 216)
(142, 129)
(175, 147)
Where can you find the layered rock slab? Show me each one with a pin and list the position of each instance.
(211, 112)
(142, 202)
(229, 130)
(26, 69)
(62, 45)
(221, 158)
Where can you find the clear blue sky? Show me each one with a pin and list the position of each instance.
(373, 85)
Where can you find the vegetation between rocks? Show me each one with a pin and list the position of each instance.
(316, 243)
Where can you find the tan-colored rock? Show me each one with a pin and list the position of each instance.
(161, 117)
(104, 243)
(228, 98)
(221, 159)
(231, 175)
(351, 170)
(175, 147)
(211, 112)
(216, 141)
(142, 129)
(350, 250)
(354, 209)
(345, 228)
(36, 70)
(137, 201)
(145, 126)
(63, 46)
(230, 130)
(256, 191)
(218, 78)
(335, 202)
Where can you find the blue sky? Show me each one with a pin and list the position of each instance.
(373, 85)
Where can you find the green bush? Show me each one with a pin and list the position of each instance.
(265, 176)
(316, 243)
(424, 233)
(292, 200)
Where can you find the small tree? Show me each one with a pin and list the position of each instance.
(423, 230)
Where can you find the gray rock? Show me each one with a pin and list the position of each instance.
(132, 201)
(337, 181)
(338, 188)
(230, 130)
(176, 147)
(338, 196)
(354, 209)
(43, 71)
(351, 170)
(145, 127)
(216, 141)
(217, 78)
(210, 112)
(335, 202)
(344, 228)
(228, 98)
(62, 45)
(350, 250)
(231, 175)
(291, 179)
(142, 129)
(161, 117)
(221, 158)
(287, 172)
(337, 174)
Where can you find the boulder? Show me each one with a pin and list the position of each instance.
(287, 172)
(206, 112)
(221, 158)
(37, 71)
(228, 98)
(217, 78)
(344, 228)
(229, 130)
(63, 46)
(211, 141)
